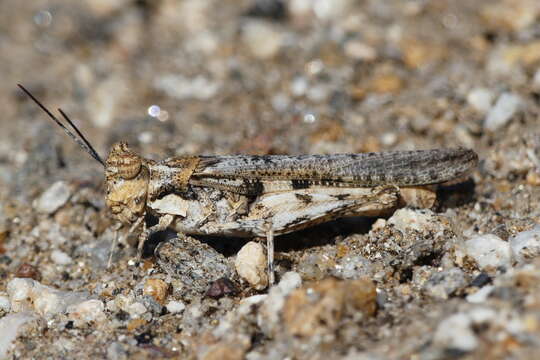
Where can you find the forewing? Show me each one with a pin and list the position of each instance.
(260, 174)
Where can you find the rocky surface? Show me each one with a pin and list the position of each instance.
(461, 280)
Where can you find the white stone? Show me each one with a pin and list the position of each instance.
(28, 294)
(299, 86)
(136, 309)
(60, 257)
(180, 87)
(10, 325)
(250, 265)
(291, 280)
(360, 51)
(409, 219)
(505, 108)
(87, 311)
(331, 9)
(526, 245)
(175, 307)
(53, 198)
(455, 333)
(489, 251)
(5, 305)
(262, 39)
(480, 99)
(19, 291)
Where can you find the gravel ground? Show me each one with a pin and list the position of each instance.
(461, 280)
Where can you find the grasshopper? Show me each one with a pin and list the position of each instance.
(265, 196)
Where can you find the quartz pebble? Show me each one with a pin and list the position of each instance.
(53, 198)
(87, 311)
(175, 307)
(501, 113)
(442, 284)
(28, 294)
(251, 265)
(135, 309)
(480, 99)
(455, 333)
(360, 51)
(60, 257)
(489, 251)
(526, 245)
(409, 219)
(262, 39)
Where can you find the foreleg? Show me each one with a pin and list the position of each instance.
(164, 222)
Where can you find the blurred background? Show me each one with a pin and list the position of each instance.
(274, 77)
(264, 77)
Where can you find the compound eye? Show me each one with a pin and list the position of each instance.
(130, 168)
(124, 162)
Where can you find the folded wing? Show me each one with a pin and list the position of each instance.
(250, 174)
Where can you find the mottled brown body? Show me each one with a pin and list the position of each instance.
(251, 195)
(267, 195)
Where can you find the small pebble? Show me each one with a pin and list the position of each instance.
(358, 50)
(156, 288)
(262, 39)
(28, 294)
(505, 108)
(289, 281)
(175, 307)
(489, 251)
(444, 283)
(135, 309)
(60, 257)
(221, 287)
(180, 87)
(409, 219)
(87, 311)
(53, 198)
(480, 99)
(28, 271)
(250, 264)
(455, 333)
(526, 245)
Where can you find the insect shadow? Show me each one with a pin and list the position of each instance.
(319, 235)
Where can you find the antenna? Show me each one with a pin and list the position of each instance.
(81, 140)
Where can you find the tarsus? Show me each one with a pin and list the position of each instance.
(81, 140)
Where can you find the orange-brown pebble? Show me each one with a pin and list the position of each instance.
(317, 308)
(156, 288)
(28, 271)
